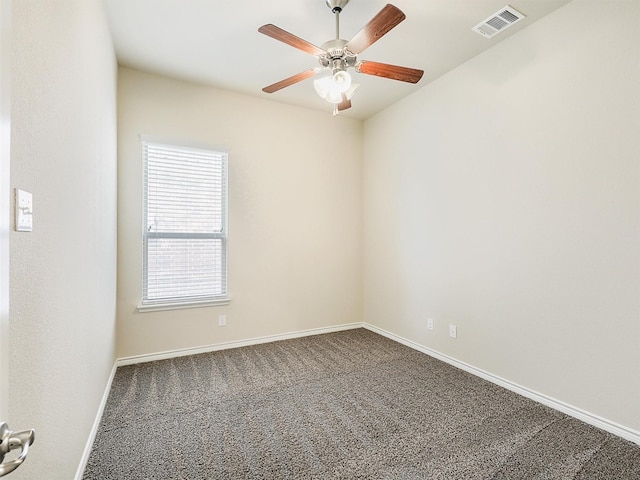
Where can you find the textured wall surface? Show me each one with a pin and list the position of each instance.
(504, 198)
(63, 274)
(294, 213)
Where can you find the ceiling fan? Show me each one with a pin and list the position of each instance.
(339, 55)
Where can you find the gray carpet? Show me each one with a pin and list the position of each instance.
(347, 405)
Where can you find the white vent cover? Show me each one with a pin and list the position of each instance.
(498, 22)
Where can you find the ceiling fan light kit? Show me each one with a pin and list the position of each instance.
(339, 55)
(336, 89)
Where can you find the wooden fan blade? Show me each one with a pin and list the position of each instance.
(394, 72)
(345, 103)
(287, 82)
(290, 39)
(385, 20)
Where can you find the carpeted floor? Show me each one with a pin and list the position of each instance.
(347, 405)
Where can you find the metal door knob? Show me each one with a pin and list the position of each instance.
(12, 441)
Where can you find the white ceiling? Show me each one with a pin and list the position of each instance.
(216, 42)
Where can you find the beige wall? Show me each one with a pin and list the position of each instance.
(505, 198)
(294, 213)
(63, 274)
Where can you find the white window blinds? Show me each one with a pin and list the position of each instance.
(185, 224)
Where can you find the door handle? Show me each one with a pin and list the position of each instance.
(12, 441)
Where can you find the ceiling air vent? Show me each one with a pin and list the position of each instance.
(499, 21)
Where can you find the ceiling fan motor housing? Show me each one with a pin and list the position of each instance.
(336, 56)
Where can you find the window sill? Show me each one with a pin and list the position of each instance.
(156, 307)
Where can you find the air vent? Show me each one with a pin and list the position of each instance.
(498, 22)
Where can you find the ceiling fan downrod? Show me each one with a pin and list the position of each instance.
(336, 7)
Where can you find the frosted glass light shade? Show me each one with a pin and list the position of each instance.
(331, 88)
(342, 81)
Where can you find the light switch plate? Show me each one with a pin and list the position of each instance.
(24, 211)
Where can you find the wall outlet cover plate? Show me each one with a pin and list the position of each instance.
(453, 331)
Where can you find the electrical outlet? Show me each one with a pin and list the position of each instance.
(222, 320)
(430, 324)
(453, 331)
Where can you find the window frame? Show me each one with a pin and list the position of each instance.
(172, 303)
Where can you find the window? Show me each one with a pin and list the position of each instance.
(184, 225)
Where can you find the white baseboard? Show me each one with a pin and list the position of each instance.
(235, 344)
(587, 417)
(96, 424)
